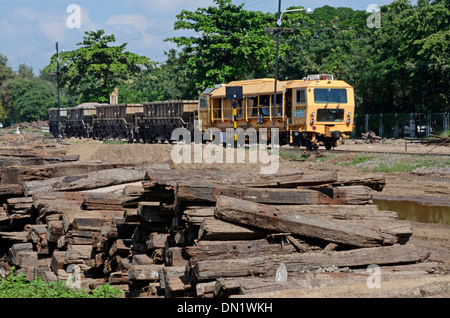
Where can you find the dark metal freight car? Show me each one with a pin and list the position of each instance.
(117, 121)
(80, 120)
(162, 118)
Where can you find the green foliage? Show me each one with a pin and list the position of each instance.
(25, 71)
(412, 58)
(94, 69)
(16, 286)
(6, 72)
(231, 44)
(401, 67)
(27, 99)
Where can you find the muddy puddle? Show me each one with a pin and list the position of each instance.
(414, 211)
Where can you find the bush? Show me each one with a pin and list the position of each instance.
(16, 286)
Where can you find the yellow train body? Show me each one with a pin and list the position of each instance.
(315, 111)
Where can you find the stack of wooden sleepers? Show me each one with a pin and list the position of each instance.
(206, 233)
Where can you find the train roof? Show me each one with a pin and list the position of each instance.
(88, 105)
(266, 86)
(316, 83)
(253, 87)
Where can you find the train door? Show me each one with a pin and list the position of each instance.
(296, 115)
(299, 109)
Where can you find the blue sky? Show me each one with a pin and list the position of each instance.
(30, 28)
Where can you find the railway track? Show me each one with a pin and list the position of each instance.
(334, 150)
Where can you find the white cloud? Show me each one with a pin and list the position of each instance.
(168, 6)
(139, 22)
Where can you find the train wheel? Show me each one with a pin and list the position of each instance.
(311, 145)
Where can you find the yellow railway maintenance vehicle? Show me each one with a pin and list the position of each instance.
(312, 112)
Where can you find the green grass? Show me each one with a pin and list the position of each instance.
(403, 164)
(291, 155)
(114, 142)
(16, 286)
(395, 167)
(445, 134)
(358, 160)
(394, 163)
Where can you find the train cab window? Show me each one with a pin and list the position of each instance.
(301, 96)
(279, 103)
(217, 108)
(203, 102)
(252, 106)
(330, 115)
(330, 95)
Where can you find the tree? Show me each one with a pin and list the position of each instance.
(4, 112)
(413, 57)
(27, 99)
(94, 69)
(231, 44)
(6, 72)
(168, 81)
(25, 71)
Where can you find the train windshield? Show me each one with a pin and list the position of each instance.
(330, 115)
(330, 95)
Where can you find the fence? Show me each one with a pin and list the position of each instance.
(413, 125)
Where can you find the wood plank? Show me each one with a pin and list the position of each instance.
(57, 262)
(395, 254)
(20, 174)
(292, 180)
(274, 219)
(20, 203)
(79, 254)
(89, 220)
(175, 256)
(153, 212)
(57, 203)
(195, 215)
(196, 192)
(174, 281)
(10, 190)
(375, 182)
(284, 179)
(218, 230)
(342, 212)
(36, 232)
(144, 273)
(76, 237)
(156, 240)
(88, 181)
(55, 230)
(226, 287)
(426, 286)
(95, 221)
(239, 249)
(14, 237)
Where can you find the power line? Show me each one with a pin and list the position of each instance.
(32, 55)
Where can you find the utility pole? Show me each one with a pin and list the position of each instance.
(274, 108)
(279, 30)
(57, 84)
